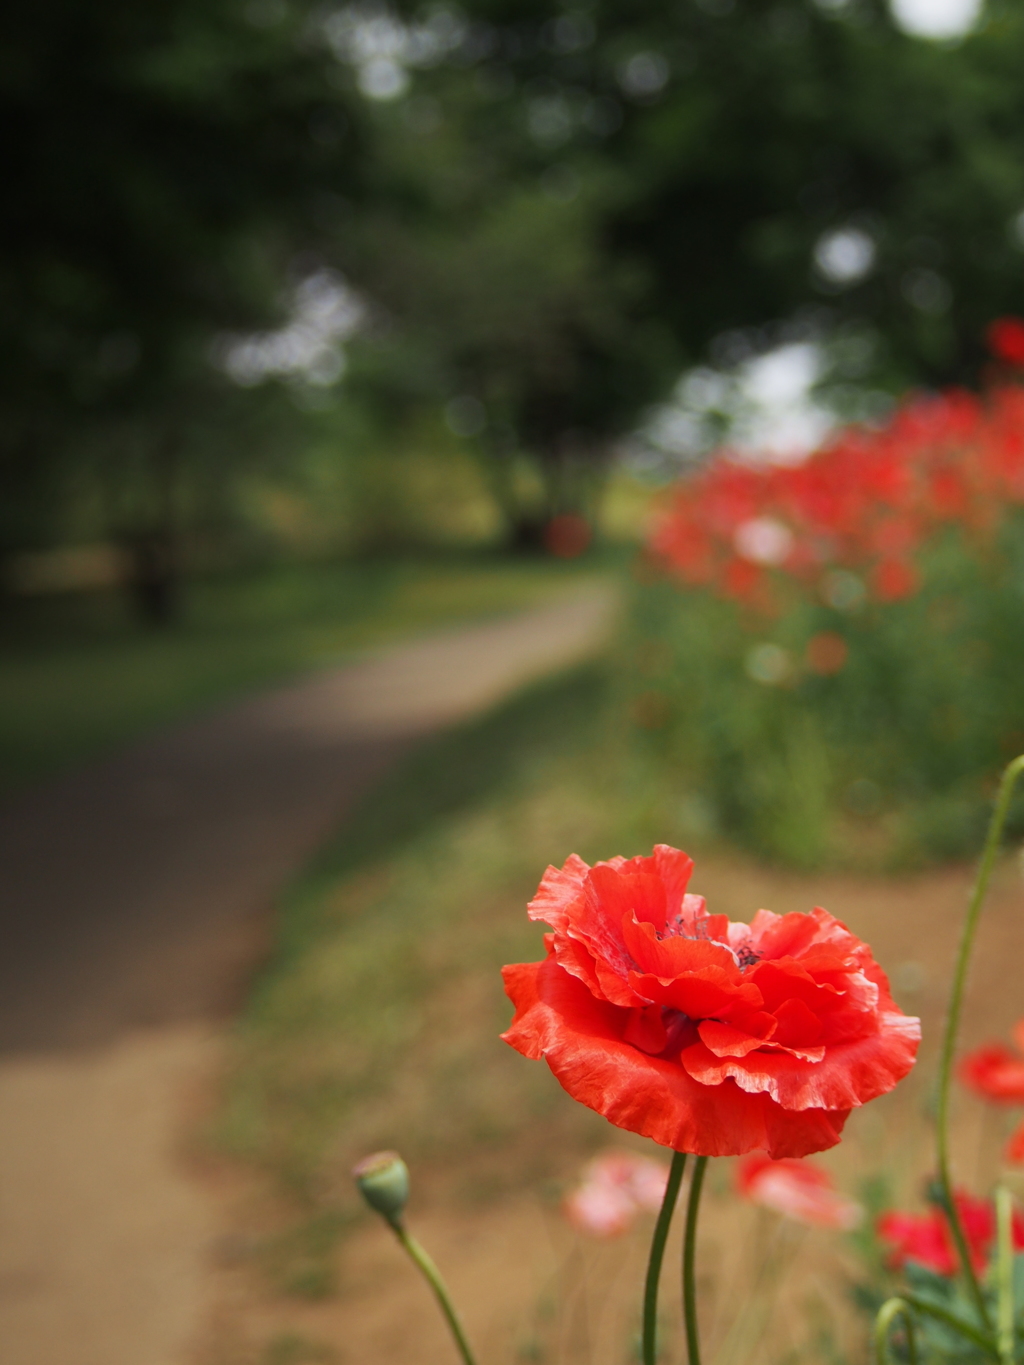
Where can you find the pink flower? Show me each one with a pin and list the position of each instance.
(797, 1190)
(614, 1188)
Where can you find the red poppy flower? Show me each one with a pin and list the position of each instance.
(797, 1190)
(1005, 337)
(707, 1036)
(996, 1072)
(926, 1239)
(893, 579)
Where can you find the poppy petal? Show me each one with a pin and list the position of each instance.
(581, 1039)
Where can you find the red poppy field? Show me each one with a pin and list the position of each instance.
(828, 653)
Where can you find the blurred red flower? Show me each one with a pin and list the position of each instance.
(996, 1072)
(1014, 1150)
(893, 579)
(567, 536)
(926, 1239)
(707, 1036)
(826, 652)
(1005, 337)
(797, 1190)
(867, 501)
(614, 1188)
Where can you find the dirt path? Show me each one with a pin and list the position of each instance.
(130, 888)
(134, 895)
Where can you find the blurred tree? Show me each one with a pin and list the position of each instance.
(499, 297)
(162, 165)
(800, 155)
(507, 307)
(575, 203)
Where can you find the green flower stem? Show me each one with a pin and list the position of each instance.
(661, 1227)
(956, 1000)
(1004, 1275)
(689, 1258)
(433, 1277)
(890, 1310)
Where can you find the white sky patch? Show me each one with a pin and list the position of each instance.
(764, 409)
(325, 313)
(844, 255)
(778, 419)
(936, 18)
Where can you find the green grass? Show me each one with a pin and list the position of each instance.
(376, 1022)
(78, 677)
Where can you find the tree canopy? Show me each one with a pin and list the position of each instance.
(549, 212)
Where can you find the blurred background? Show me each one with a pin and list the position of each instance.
(423, 429)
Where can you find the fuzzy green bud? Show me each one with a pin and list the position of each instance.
(383, 1181)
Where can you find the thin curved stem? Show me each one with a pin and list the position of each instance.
(1005, 1313)
(661, 1227)
(890, 1310)
(433, 1277)
(956, 1000)
(689, 1258)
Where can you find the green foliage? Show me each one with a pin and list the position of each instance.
(743, 132)
(503, 295)
(890, 760)
(939, 1303)
(159, 173)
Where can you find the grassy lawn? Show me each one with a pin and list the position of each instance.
(78, 677)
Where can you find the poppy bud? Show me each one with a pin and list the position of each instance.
(383, 1181)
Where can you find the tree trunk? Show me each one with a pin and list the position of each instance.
(152, 575)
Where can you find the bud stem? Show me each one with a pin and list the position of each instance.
(887, 1314)
(432, 1275)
